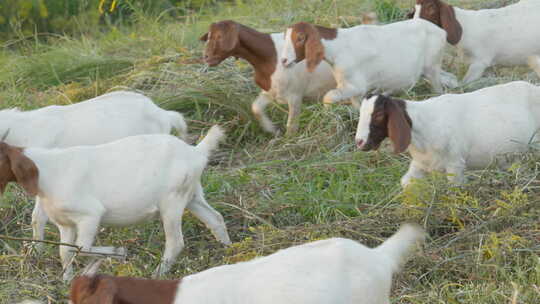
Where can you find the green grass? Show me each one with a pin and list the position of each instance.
(484, 237)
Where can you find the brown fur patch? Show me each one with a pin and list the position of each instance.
(231, 39)
(104, 289)
(443, 15)
(17, 167)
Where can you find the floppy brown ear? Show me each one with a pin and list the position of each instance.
(399, 129)
(450, 24)
(106, 291)
(232, 37)
(204, 37)
(24, 169)
(313, 49)
(93, 290)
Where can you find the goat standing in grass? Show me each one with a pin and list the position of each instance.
(506, 36)
(118, 184)
(370, 57)
(453, 132)
(333, 271)
(96, 121)
(231, 39)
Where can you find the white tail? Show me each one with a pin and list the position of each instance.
(398, 246)
(534, 63)
(211, 140)
(178, 123)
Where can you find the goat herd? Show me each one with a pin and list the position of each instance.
(110, 160)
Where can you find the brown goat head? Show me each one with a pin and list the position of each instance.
(443, 15)
(306, 41)
(381, 117)
(221, 40)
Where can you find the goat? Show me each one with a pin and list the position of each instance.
(368, 57)
(231, 39)
(96, 121)
(335, 270)
(504, 36)
(119, 184)
(455, 131)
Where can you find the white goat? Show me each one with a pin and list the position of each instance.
(371, 57)
(231, 39)
(96, 121)
(337, 271)
(455, 131)
(504, 36)
(120, 183)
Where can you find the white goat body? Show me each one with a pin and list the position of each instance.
(92, 122)
(384, 58)
(96, 121)
(322, 272)
(123, 183)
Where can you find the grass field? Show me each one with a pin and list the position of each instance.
(484, 237)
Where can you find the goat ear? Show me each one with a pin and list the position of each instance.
(232, 37)
(450, 24)
(24, 169)
(105, 291)
(410, 14)
(314, 49)
(399, 129)
(93, 290)
(204, 37)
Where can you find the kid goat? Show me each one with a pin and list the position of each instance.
(370, 57)
(230, 39)
(454, 131)
(96, 121)
(505, 36)
(120, 183)
(333, 271)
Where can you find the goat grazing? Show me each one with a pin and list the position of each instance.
(504, 36)
(96, 121)
(336, 271)
(118, 184)
(230, 39)
(454, 131)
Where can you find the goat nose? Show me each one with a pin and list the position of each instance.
(284, 61)
(359, 143)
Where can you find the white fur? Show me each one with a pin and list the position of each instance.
(123, 183)
(291, 87)
(96, 121)
(385, 58)
(337, 271)
(457, 131)
(503, 36)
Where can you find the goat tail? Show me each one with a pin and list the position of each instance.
(399, 245)
(178, 123)
(211, 140)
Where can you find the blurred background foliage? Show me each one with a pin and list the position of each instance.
(24, 18)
